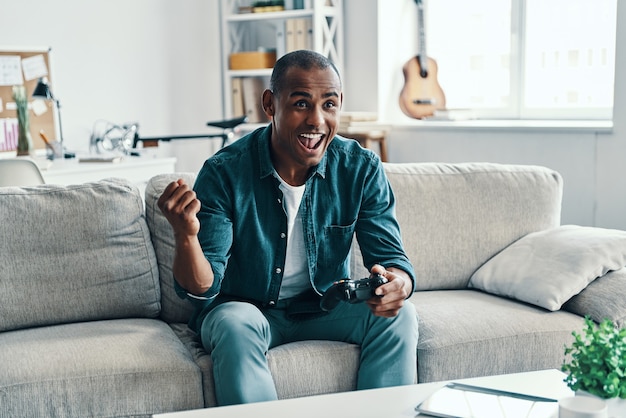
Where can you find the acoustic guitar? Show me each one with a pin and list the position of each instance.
(421, 94)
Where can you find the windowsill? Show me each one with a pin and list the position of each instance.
(598, 126)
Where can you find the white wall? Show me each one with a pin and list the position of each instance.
(158, 62)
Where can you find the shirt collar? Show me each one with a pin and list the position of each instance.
(266, 167)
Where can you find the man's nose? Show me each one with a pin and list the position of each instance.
(315, 116)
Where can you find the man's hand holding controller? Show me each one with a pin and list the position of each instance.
(384, 291)
(391, 295)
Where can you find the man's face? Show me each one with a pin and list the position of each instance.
(305, 118)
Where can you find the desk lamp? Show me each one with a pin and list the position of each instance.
(42, 91)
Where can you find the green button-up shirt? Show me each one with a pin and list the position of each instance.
(243, 229)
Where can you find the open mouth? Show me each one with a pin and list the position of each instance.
(311, 141)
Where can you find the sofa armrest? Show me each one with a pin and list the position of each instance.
(173, 308)
(605, 297)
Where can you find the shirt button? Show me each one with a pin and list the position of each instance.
(283, 235)
(272, 303)
(278, 270)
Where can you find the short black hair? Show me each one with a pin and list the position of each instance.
(302, 58)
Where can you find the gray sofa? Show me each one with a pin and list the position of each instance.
(90, 324)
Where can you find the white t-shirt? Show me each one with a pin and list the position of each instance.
(296, 273)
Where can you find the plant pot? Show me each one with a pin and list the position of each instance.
(616, 406)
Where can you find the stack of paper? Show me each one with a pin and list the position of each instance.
(453, 114)
(348, 120)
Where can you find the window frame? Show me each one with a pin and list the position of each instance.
(517, 108)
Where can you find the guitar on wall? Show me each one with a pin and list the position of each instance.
(421, 94)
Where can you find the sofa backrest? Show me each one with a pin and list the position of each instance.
(75, 253)
(455, 217)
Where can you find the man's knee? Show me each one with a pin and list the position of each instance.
(399, 330)
(407, 322)
(237, 324)
(408, 315)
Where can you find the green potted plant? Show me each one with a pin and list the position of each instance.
(597, 364)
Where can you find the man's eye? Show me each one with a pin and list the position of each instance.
(300, 103)
(330, 104)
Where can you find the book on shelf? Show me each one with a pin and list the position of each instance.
(252, 88)
(281, 40)
(301, 41)
(298, 34)
(290, 35)
(237, 96)
(302, 4)
(308, 25)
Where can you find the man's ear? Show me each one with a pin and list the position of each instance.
(268, 102)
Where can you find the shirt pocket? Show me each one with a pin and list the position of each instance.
(335, 245)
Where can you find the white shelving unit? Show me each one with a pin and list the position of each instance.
(267, 31)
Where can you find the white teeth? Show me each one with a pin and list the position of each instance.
(312, 136)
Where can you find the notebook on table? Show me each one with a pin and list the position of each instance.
(457, 400)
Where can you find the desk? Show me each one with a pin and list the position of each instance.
(366, 135)
(136, 169)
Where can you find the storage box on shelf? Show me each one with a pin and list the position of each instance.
(251, 60)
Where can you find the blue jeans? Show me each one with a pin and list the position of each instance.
(238, 336)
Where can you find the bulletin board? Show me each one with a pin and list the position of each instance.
(25, 67)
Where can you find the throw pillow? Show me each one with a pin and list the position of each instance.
(603, 298)
(547, 268)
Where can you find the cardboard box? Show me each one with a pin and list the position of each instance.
(252, 60)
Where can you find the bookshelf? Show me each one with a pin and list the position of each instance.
(258, 38)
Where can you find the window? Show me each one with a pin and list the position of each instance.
(525, 59)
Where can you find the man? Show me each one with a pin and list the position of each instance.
(267, 229)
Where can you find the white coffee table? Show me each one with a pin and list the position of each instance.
(392, 402)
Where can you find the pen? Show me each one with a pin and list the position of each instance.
(43, 136)
(479, 389)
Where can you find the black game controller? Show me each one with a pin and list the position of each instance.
(351, 291)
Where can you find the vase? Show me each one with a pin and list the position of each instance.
(24, 139)
(616, 406)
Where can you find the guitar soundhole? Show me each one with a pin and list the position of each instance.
(424, 101)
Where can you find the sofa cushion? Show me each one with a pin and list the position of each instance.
(455, 217)
(125, 367)
(307, 368)
(303, 368)
(173, 308)
(468, 333)
(75, 253)
(547, 268)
